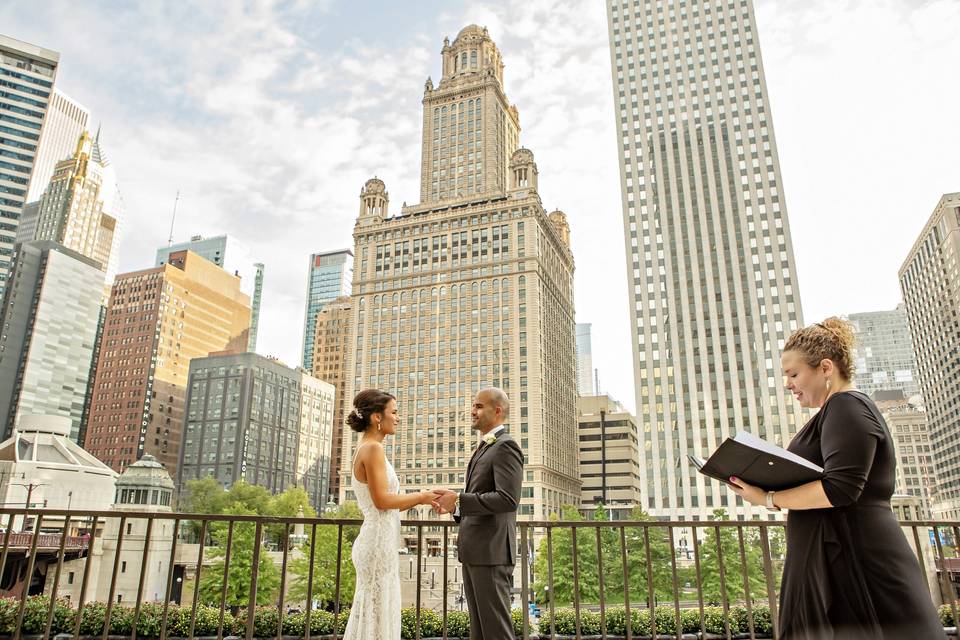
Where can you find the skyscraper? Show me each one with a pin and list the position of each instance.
(255, 419)
(255, 306)
(73, 211)
(50, 316)
(609, 456)
(331, 344)
(884, 356)
(213, 249)
(157, 320)
(472, 287)
(585, 360)
(930, 282)
(329, 278)
(27, 73)
(66, 120)
(712, 282)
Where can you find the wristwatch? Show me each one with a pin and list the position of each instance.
(770, 505)
(456, 504)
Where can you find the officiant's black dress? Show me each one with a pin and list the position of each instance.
(849, 572)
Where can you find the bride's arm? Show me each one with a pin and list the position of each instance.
(374, 463)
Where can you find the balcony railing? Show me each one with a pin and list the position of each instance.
(147, 574)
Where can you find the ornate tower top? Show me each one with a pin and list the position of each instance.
(374, 201)
(470, 129)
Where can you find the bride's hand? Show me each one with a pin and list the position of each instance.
(428, 497)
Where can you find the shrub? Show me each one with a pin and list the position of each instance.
(35, 615)
(946, 616)
(714, 620)
(458, 624)
(431, 624)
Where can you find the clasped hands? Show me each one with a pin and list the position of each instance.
(443, 500)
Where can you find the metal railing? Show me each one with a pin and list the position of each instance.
(588, 571)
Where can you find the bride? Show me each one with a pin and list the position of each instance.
(376, 603)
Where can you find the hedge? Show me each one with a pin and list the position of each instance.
(321, 622)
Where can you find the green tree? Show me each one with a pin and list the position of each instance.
(325, 560)
(661, 554)
(292, 503)
(732, 565)
(587, 583)
(241, 567)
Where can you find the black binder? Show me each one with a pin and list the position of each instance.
(759, 463)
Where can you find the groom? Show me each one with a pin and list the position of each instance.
(487, 513)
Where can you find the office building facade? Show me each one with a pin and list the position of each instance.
(329, 278)
(157, 320)
(331, 343)
(585, 377)
(65, 122)
(27, 73)
(255, 419)
(50, 318)
(930, 283)
(884, 355)
(609, 450)
(73, 211)
(712, 279)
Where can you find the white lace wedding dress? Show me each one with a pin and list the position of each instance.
(375, 613)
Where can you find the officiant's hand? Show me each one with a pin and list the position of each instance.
(753, 495)
(447, 501)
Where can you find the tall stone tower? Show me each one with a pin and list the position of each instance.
(472, 287)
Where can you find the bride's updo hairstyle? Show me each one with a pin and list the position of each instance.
(365, 404)
(833, 339)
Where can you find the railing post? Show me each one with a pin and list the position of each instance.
(626, 583)
(56, 578)
(84, 581)
(29, 574)
(696, 561)
(169, 589)
(196, 578)
(143, 576)
(651, 597)
(576, 579)
(313, 551)
(603, 608)
(550, 595)
(113, 577)
(446, 587)
(336, 604)
(678, 626)
(6, 544)
(283, 580)
(226, 578)
(525, 582)
(746, 581)
(723, 583)
(419, 572)
(254, 574)
(768, 574)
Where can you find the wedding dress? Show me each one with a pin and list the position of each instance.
(375, 613)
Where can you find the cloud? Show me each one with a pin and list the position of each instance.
(269, 117)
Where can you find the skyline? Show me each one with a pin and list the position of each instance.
(249, 155)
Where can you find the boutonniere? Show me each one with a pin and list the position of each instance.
(490, 438)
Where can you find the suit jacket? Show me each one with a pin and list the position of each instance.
(488, 507)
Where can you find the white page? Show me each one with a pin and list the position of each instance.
(754, 442)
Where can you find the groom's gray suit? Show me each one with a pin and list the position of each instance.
(488, 535)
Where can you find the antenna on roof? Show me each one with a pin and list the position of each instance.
(173, 218)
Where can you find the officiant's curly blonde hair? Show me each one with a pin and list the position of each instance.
(833, 339)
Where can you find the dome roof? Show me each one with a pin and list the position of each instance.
(521, 156)
(145, 472)
(374, 185)
(472, 30)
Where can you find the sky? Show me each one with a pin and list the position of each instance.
(268, 117)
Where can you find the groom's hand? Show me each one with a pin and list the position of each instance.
(447, 501)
